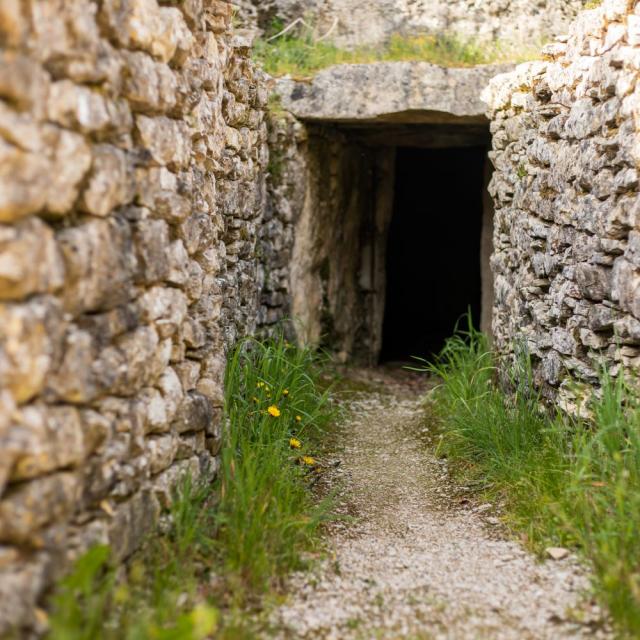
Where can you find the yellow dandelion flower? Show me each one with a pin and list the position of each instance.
(285, 392)
(273, 411)
(308, 460)
(294, 443)
(298, 418)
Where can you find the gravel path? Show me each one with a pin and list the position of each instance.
(418, 562)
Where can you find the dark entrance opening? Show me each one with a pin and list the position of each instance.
(433, 251)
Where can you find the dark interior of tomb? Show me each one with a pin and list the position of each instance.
(433, 251)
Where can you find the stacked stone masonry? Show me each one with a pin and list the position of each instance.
(566, 149)
(352, 23)
(133, 150)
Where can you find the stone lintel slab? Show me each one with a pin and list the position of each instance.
(390, 92)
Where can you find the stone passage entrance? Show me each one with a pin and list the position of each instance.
(393, 220)
(433, 249)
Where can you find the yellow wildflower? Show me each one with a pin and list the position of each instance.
(255, 400)
(298, 418)
(273, 411)
(295, 443)
(260, 384)
(308, 460)
(285, 392)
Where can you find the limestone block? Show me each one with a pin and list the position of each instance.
(157, 189)
(154, 411)
(191, 444)
(602, 317)
(149, 86)
(584, 119)
(110, 182)
(195, 282)
(134, 361)
(161, 451)
(13, 26)
(70, 161)
(21, 585)
(7, 409)
(178, 263)
(625, 286)
(594, 281)
(633, 30)
(167, 140)
(30, 261)
(23, 182)
(212, 390)
(141, 24)
(188, 372)
(151, 238)
(25, 509)
(171, 390)
(78, 107)
(165, 307)
(165, 484)
(73, 380)
(627, 330)
(133, 521)
(30, 334)
(196, 413)
(43, 439)
(100, 264)
(23, 82)
(197, 232)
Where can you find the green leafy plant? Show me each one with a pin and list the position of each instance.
(302, 55)
(266, 512)
(563, 480)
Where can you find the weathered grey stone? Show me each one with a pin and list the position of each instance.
(100, 264)
(110, 182)
(581, 103)
(44, 439)
(30, 261)
(168, 140)
(196, 413)
(353, 23)
(96, 292)
(25, 509)
(406, 92)
(29, 334)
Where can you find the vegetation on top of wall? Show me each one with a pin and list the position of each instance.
(226, 543)
(303, 55)
(563, 480)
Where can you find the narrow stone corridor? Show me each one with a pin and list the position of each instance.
(416, 559)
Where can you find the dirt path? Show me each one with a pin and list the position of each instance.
(416, 563)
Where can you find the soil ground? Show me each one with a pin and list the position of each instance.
(415, 558)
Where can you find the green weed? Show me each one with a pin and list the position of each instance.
(266, 512)
(227, 542)
(563, 480)
(303, 56)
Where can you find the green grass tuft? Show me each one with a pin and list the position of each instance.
(266, 512)
(564, 481)
(229, 542)
(302, 56)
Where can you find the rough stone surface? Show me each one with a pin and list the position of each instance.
(407, 92)
(353, 23)
(565, 150)
(131, 201)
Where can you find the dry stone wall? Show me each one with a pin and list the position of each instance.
(352, 23)
(132, 161)
(566, 148)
